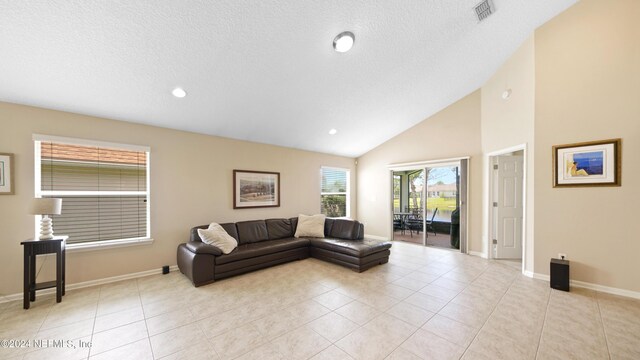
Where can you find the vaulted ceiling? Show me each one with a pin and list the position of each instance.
(261, 70)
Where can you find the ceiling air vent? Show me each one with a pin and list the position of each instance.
(484, 9)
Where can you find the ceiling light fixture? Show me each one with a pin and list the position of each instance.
(179, 92)
(333, 132)
(506, 94)
(344, 41)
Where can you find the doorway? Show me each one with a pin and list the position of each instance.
(408, 214)
(443, 206)
(507, 207)
(429, 204)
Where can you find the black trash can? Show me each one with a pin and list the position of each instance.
(455, 228)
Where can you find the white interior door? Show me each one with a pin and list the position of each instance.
(508, 206)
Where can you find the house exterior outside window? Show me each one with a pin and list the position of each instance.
(104, 189)
(335, 192)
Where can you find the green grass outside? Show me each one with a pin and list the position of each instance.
(432, 203)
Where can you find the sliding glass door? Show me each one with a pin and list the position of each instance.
(430, 204)
(443, 206)
(408, 212)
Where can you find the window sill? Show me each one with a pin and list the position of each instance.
(105, 245)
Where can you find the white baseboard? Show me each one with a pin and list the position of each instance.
(478, 253)
(606, 289)
(90, 283)
(590, 286)
(375, 237)
(537, 276)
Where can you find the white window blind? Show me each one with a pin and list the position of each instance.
(103, 190)
(334, 192)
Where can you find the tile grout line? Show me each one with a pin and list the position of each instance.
(449, 302)
(369, 285)
(544, 323)
(331, 343)
(276, 309)
(144, 316)
(604, 329)
(488, 317)
(437, 312)
(45, 318)
(37, 331)
(405, 340)
(352, 299)
(93, 329)
(119, 326)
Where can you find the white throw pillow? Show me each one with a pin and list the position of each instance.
(216, 235)
(310, 226)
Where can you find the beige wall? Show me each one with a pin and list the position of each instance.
(508, 123)
(453, 132)
(588, 88)
(577, 79)
(191, 184)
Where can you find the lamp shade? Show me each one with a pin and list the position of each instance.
(46, 206)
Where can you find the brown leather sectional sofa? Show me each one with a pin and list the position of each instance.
(264, 243)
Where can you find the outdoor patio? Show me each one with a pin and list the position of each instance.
(439, 240)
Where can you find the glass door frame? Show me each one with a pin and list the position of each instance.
(463, 190)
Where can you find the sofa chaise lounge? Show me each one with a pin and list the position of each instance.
(264, 243)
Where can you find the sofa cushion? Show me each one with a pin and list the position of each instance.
(251, 250)
(345, 229)
(216, 235)
(358, 248)
(310, 226)
(279, 228)
(230, 228)
(252, 231)
(328, 224)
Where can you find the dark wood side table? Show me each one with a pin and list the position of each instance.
(40, 247)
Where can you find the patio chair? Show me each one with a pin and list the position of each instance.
(397, 223)
(429, 223)
(414, 223)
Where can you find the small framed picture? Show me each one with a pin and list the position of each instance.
(6, 174)
(595, 163)
(255, 189)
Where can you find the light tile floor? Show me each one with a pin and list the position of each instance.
(424, 304)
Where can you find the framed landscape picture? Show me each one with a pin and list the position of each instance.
(255, 189)
(595, 163)
(6, 174)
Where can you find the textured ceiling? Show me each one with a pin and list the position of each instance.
(261, 70)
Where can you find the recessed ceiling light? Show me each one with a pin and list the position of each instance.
(179, 92)
(333, 132)
(344, 41)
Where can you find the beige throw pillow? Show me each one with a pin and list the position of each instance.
(310, 226)
(216, 235)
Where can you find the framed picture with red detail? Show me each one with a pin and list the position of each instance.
(255, 189)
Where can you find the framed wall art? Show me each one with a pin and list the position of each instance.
(6, 174)
(255, 189)
(594, 163)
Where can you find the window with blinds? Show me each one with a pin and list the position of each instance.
(334, 192)
(103, 190)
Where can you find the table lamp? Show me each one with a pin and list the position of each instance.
(46, 207)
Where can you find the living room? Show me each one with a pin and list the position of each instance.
(572, 78)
